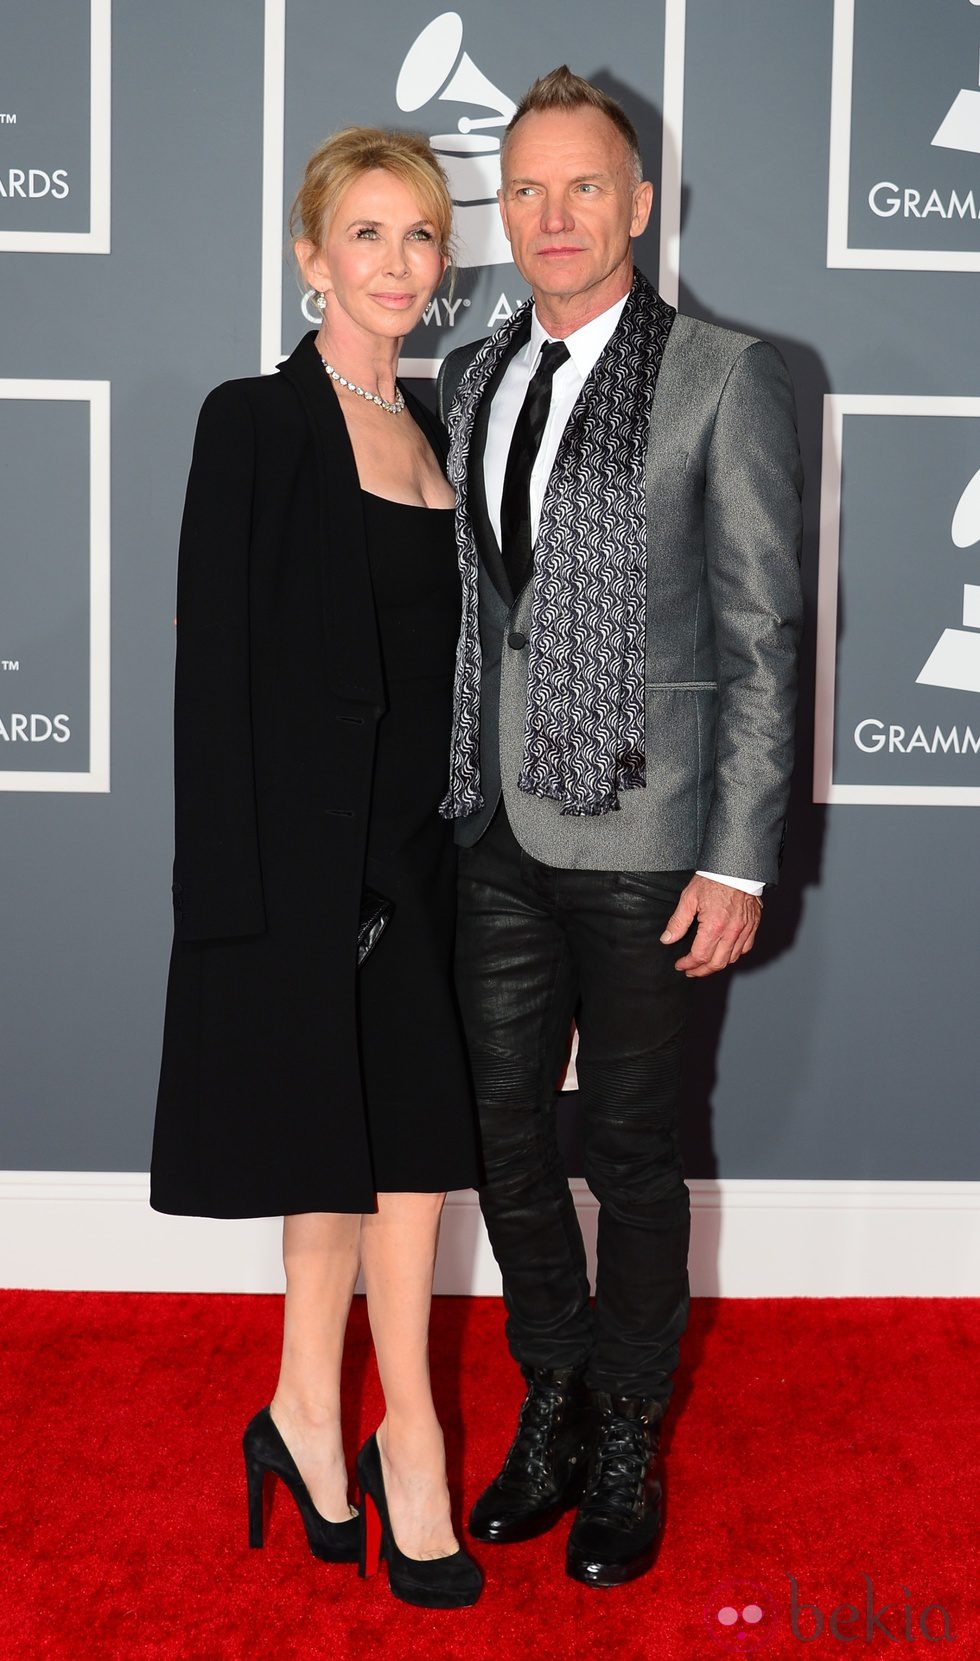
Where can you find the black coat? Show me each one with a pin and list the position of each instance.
(279, 689)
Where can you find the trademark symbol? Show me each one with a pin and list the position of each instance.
(9, 663)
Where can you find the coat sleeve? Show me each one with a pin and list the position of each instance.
(217, 875)
(753, 534)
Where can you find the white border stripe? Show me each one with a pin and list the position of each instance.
(827, 590)
(839, 253)
(100, 140)
(836, 406)
(94, 1231)
(671, 168)
(839, 180)
(96, 395)
(911, 259)
(100, 613)
(96, 239)
(273, 149)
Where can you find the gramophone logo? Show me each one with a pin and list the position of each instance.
(955, 659)
(960, 127)
(437, 70)
(904, 191)
(452, 75)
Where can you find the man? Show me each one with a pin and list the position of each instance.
(629, 519)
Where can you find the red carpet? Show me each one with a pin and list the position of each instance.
(833, 1441)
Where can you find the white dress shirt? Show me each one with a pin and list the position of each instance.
(584, 347)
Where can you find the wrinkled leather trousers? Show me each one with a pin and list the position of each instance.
(536, 945)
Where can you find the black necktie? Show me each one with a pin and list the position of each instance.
(515, 501)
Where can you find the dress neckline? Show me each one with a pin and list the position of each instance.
(416, 507)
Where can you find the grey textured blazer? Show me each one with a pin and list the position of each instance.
(724, 614)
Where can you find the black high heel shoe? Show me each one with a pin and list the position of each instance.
(266, 1458)
(432, 1583)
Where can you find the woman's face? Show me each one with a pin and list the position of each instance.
(381, 260)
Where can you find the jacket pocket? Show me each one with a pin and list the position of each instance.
(682, 686)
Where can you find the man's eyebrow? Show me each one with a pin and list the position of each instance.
(579, 179)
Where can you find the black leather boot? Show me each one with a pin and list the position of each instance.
(614, 1538)
(542, 1473)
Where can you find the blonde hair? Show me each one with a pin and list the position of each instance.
(343, 157)
(561, 89)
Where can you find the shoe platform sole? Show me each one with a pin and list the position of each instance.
(427, 1600)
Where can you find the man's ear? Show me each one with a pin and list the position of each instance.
(642, 206)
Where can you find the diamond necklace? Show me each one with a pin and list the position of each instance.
(372, 397)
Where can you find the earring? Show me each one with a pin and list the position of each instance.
(320, 300)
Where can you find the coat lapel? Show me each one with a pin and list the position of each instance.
(353, 659)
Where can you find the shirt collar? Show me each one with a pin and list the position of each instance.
(585, 345)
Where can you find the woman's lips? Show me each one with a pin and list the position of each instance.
(395, 300)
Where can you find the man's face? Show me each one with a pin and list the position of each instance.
(570, 205)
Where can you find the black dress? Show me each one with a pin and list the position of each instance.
(280, 700)
(421, 1125)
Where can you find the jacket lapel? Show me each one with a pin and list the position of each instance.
(486, 540)
(469, 440)
(353, 657)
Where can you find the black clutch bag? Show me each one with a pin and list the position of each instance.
(375, 914)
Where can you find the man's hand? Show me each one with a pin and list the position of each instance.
(727, 922)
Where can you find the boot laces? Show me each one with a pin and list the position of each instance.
(620, 1461)
(529, 1457)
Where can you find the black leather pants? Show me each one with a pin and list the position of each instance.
(534, 945)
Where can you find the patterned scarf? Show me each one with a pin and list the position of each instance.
(584, 733)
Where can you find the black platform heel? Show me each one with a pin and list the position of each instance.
(266, 1458)
(432, 1583)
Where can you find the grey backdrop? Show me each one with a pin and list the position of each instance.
(846, 1046)
(45, 580)
(44, 49)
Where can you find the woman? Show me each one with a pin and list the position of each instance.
(317, 615)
